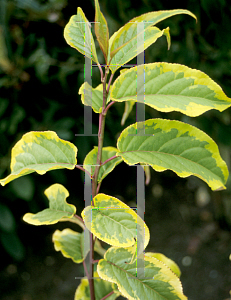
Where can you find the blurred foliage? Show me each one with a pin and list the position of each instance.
(40, 76)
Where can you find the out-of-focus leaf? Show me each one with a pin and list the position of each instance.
(12, 245)
(7, 221)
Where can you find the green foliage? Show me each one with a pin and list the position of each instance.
(109, 214)
(170, 87)
(40, 152)
(176, 146)
(58, 209)
(166, 144)
(78, 35)
(159, 281)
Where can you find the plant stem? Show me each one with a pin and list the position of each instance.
(100, 137)
(75, 219)
(109, 159)
(85, 268)
(108, 295)
(109, 82)
(101, 71)
(98, 187)
(91, 271)
(109, 105)
(95, 177)
(82, 169)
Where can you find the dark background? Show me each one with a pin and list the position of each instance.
(40, 76)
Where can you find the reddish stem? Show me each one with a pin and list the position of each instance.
(109, 159)
(108, 295)
(109, 83)
(85, 268)
(82, 169)
(109, 105)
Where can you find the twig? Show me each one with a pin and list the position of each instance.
(82, 169)
(85, 268)
(108, 295)
(107, 160)
(95, 261)
(109, 105)
(101, 71)
(109, 82)
(98, 187)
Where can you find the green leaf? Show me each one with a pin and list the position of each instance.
(167, 261)
(176, 146)
(131, 50)
(7, 220)
(5, 63)
(71, 244)
(113, 222)
(92, 96)
(77, 34)
(13, 245)
(101, 30)
(159, 283)
(170, 87)
(102, 288)
(40, 151)
(128, 35)
(107, 152)
(59, 209)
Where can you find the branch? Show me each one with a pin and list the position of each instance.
(96, 261)
(109, 159)
(82, 169)
(109, 82)
(98, 187)
(75, 219)
(109, 105)
(85, 268)
(108, 295)
(101, 71)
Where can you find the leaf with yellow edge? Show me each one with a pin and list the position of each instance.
(159, 283)
(72, 244)
(107, 152)
(176, 146)
(113, 222)
(59, 209)
(131, 50)
(167, 261)
(92, 96)
(101, 30)
(172, 87)
(40, 151)
(77, 34)
(101, 287)
(123, 43)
